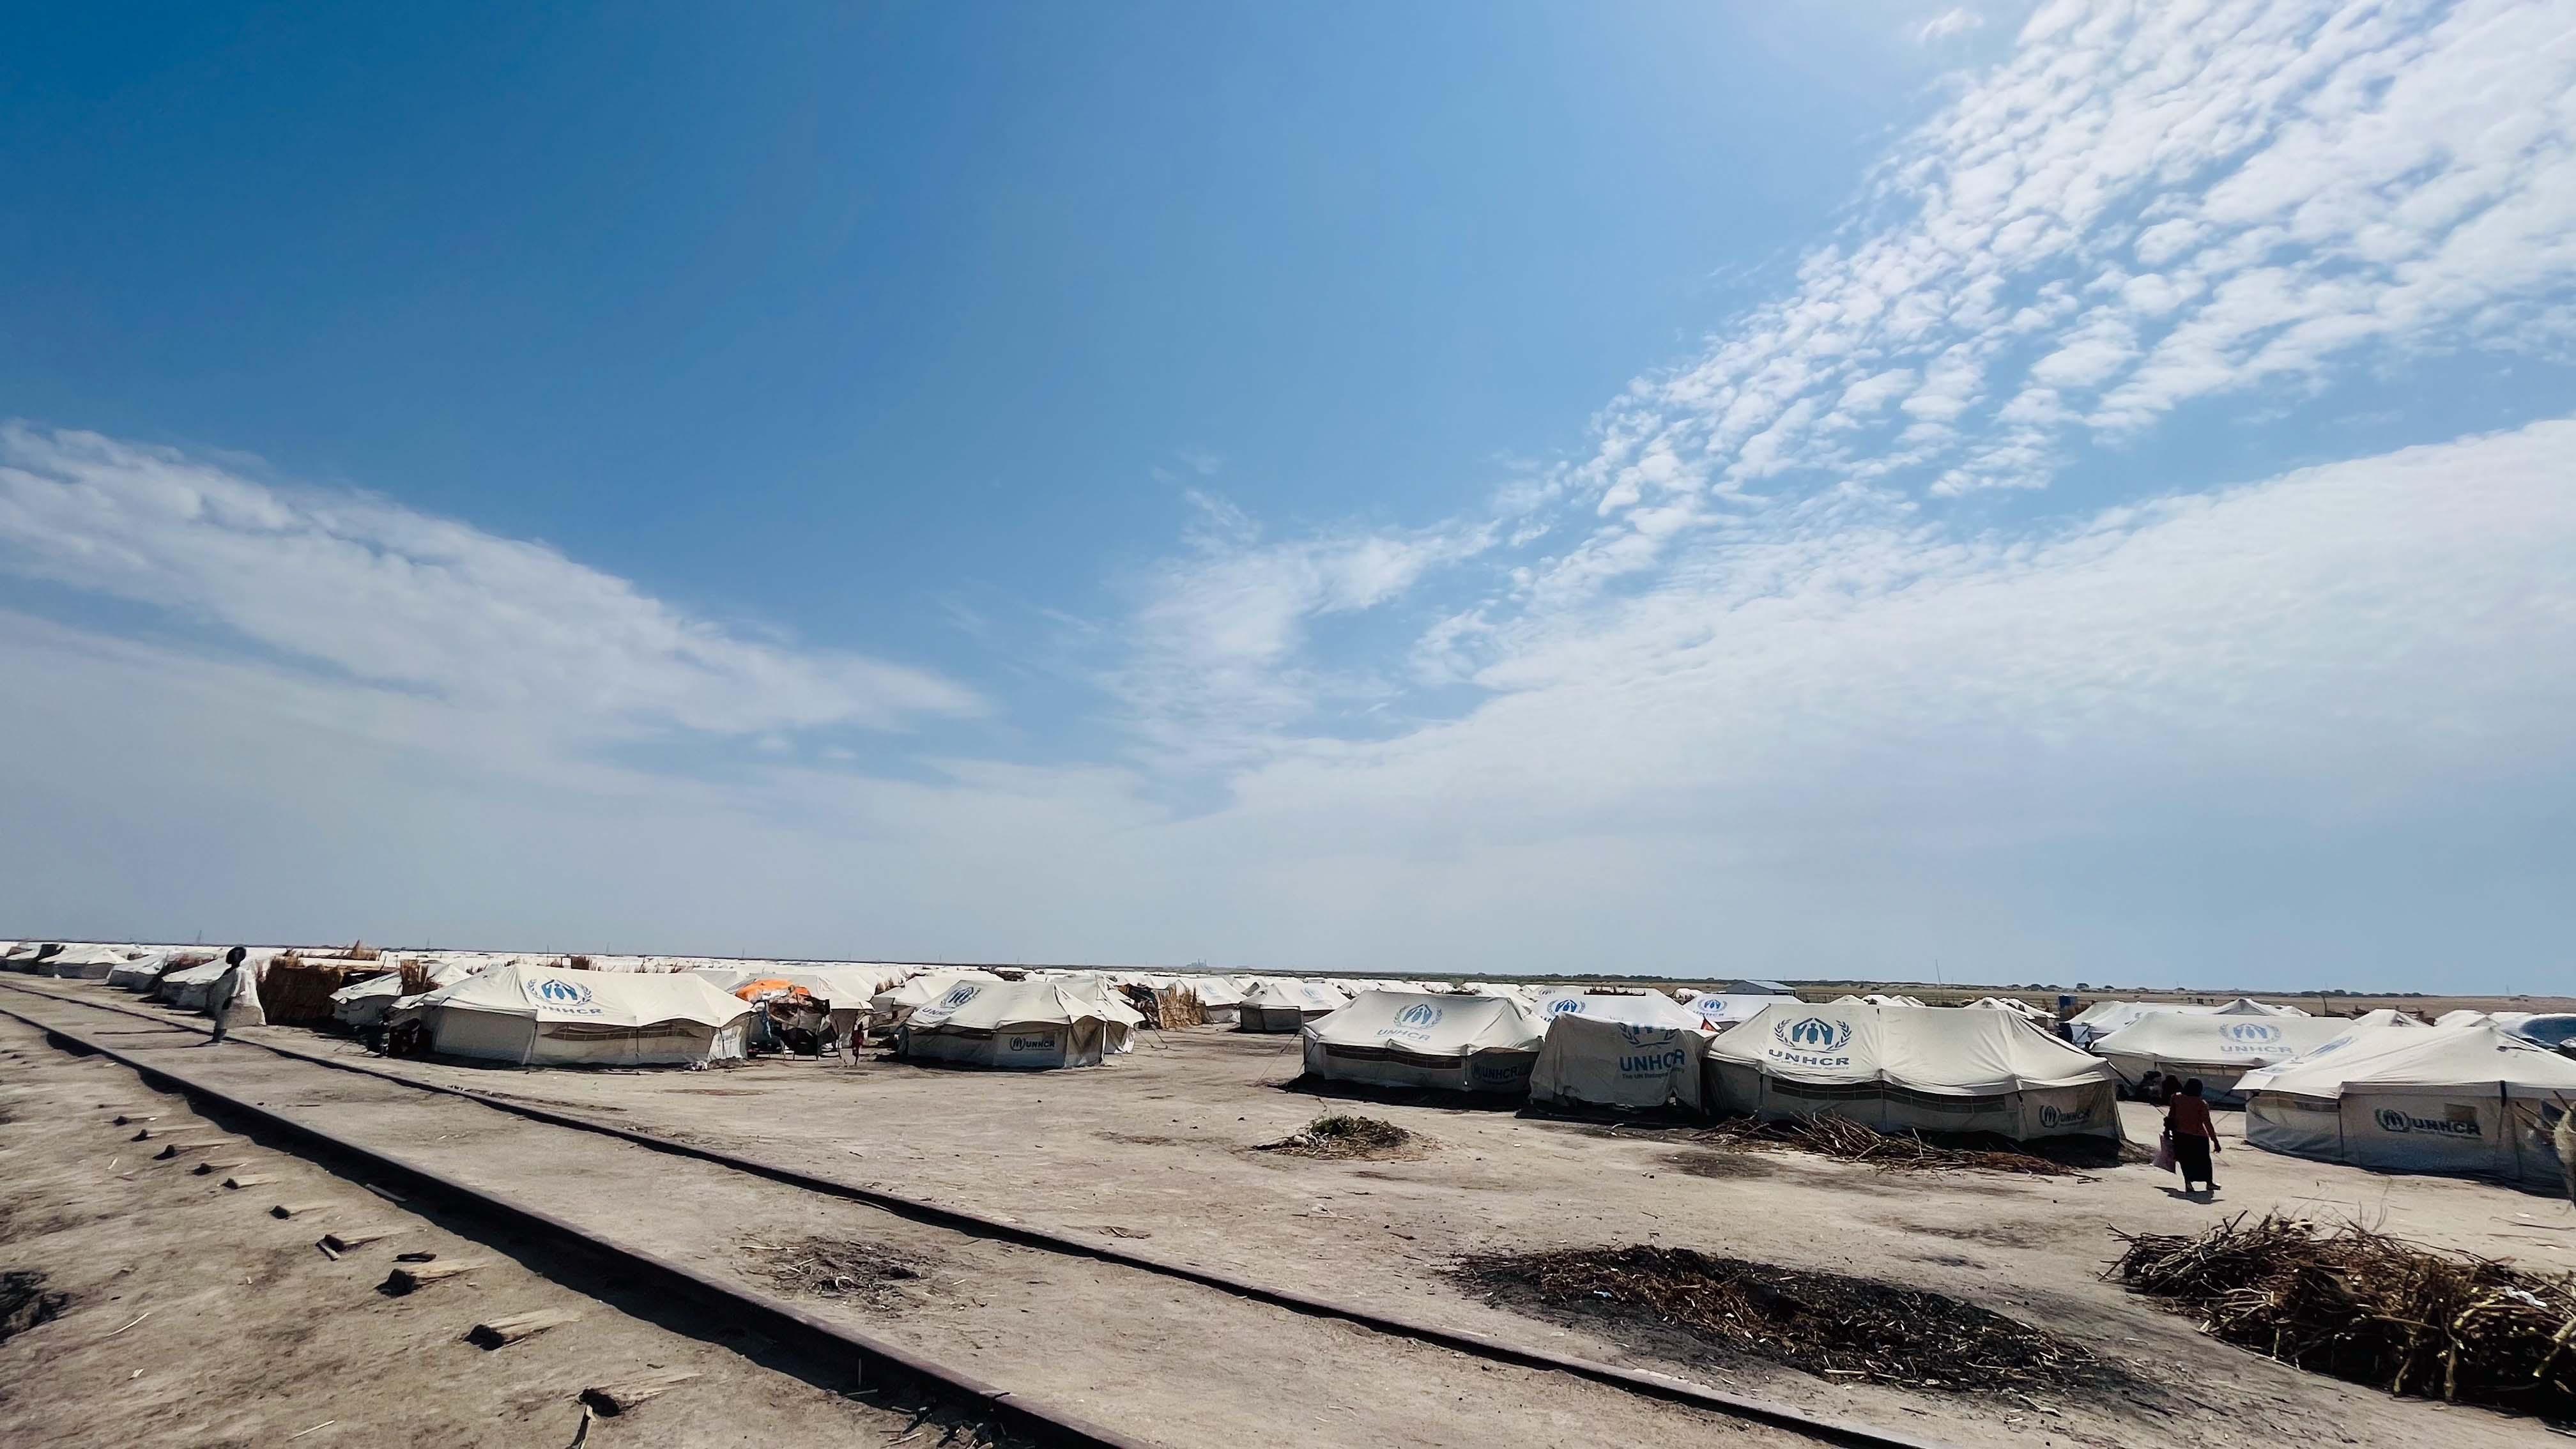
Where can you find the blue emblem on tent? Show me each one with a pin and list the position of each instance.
(1813, 1034)
(959, 997)
(2253, 1031)
(555, 991)
(1420, 1013)
(1565, 1006)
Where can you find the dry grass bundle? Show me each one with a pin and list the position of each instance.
(294, 991)
(865, 1273)
(415, 976)
(1888, 1152)
(1168, 1006)
(2359, 1305)
(1340, 1135)
(1824, 1323)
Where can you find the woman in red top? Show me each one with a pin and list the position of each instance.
(2195, 1137)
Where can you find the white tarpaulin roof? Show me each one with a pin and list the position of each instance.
(992, 1004)
(1416, 1038)
(1714, 1010)
(2364, 1035)
(1935, 1068)
(1921, 1048)
(1633, 1008)
(1274, 994)
(2216, 1049)
(589, 998)
(2386, 1059)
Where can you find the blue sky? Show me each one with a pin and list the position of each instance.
(2067, 493)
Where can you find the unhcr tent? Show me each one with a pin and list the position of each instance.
(895, 1005)
(1275, 1005)
(1719, 1012)
(1026, 1024)
(1928, 1068)
(2216, 1049)
(1414, 1039)
(2475, 1100)
(544, 1016)
(1618, 1049)
(364, 1004)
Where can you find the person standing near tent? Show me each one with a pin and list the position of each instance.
(2194, 1135)
(227, 988)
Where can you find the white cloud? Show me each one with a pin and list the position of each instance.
(397, 598)
(1837, 746)
(2146, 204)
(1215, 668)
(1949, 24)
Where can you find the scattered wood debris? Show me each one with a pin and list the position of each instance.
(412, 1277)
(345, 1239)
(612, 1399)
(866, 1273)
(501, 1332)
(1340, 1135)
(2377, 1310)
(1824, 1323)
(1906, 1151)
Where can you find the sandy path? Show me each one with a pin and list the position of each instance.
(1165, 1360)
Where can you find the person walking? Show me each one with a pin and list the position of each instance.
(227, 987)
(2194, 1135)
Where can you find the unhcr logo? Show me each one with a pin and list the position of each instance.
(959, 997)
(1645, 1036)
(2392, 1119)
(555, 991)
(2054, 1116)
(1564, 1006)
(1419, 1014)
(2257, 1033)
(1813, 1034)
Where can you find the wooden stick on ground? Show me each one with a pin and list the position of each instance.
(411, 1277)
(616, 1398)
(248, 1179)
(346, 1239)
(210, 1166)
(298, 1209)
(502, 1331)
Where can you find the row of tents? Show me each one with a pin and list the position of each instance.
(2472, 1093)
(1891, 1066)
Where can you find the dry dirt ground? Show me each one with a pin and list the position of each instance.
(1160, 1145)
(198, 1318)
(1166, 1361)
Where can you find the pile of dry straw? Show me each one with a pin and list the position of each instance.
(2359, 1305)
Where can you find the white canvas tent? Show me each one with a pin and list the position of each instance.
(2473, 1099)
(1618, 1050)
(1929, 1068)
(87, 963)
(363, 1004)
(542, 1016)
(1278, 1005)
(1219, 999)
(995, 1023)
(1415, 1039)
(2216, 1049)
